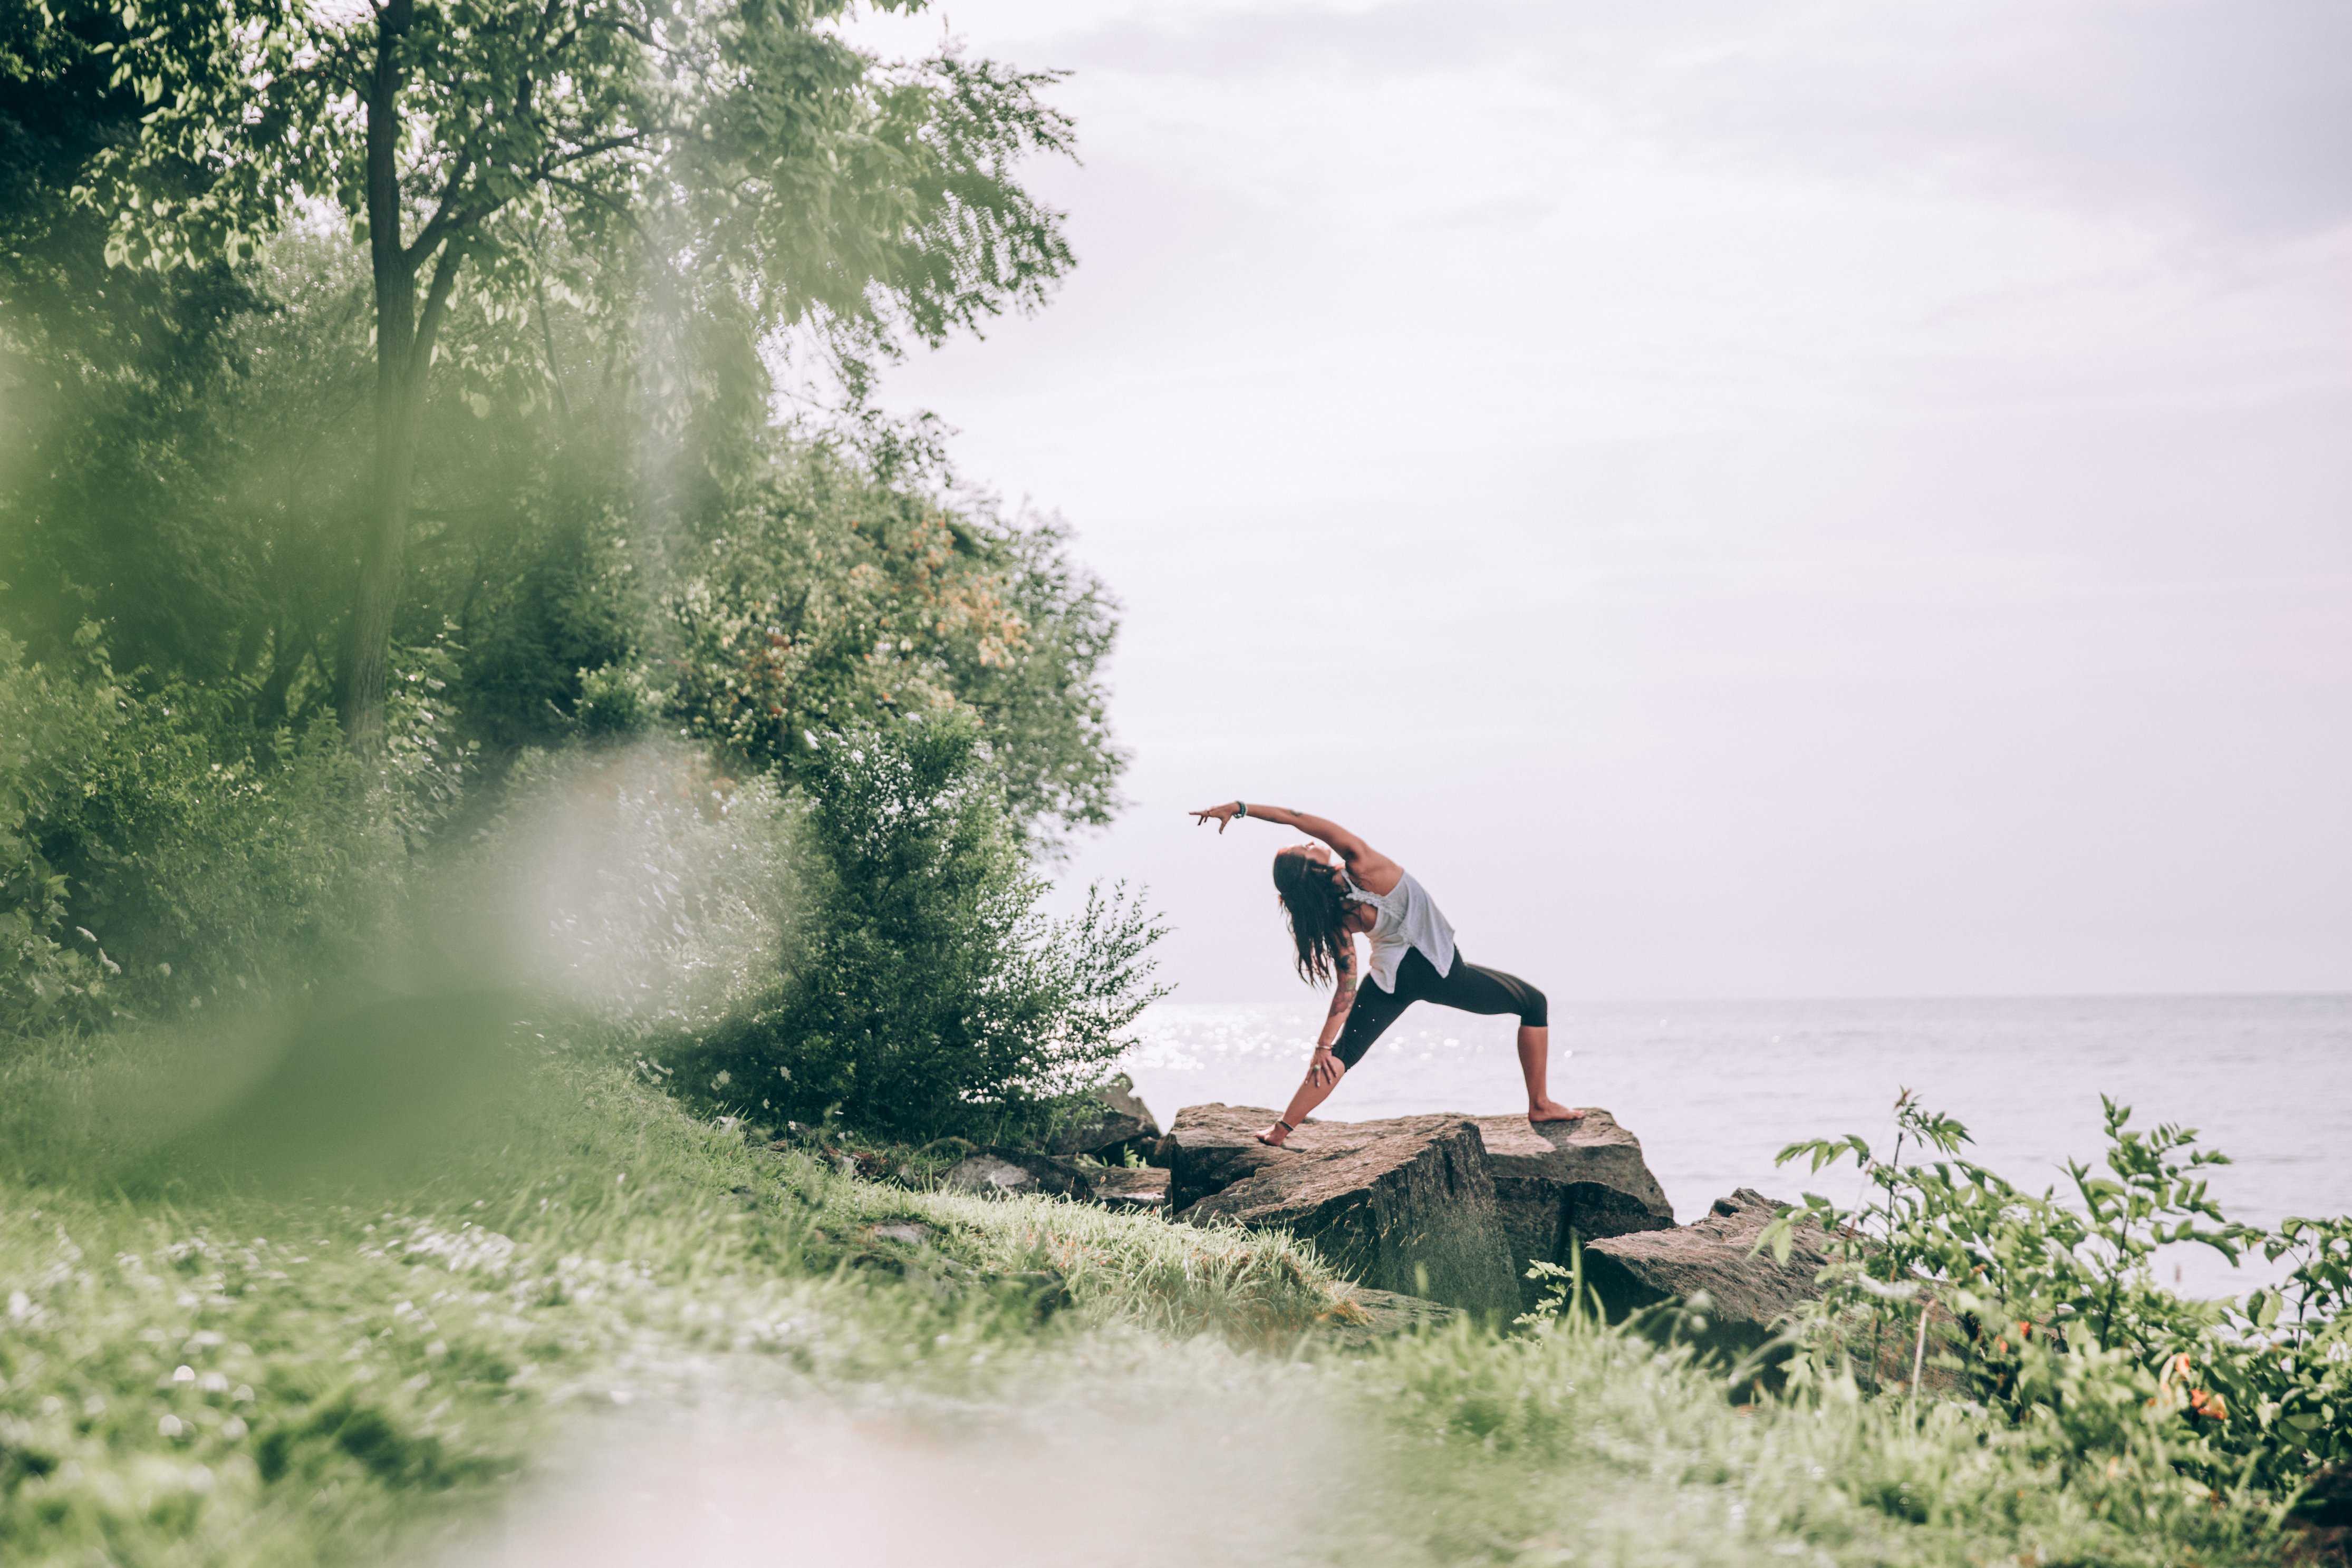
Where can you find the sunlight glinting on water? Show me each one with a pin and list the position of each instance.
(1714, 1090)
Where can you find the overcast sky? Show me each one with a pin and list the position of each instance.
(1743, 500)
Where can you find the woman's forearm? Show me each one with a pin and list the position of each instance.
(1336, 1021)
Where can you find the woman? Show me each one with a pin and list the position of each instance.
(1329, 903)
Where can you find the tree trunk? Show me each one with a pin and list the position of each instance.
(380, 552)
(398, 378)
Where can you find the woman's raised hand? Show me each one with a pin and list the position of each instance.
(1220, 815)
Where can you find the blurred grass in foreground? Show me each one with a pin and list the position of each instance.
(234, 1366)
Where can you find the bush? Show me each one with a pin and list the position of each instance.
(643, 883)
(50, 720)
(928, 995)
(827, 600)
(2056, 1315)
(155, 852)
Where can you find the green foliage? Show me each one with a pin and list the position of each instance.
(154, 854)
(825, 600)
(810, 177)
(359, 1366)
(50, 723)
(2054, 1311)
(930, 996)
(682, 174)
(643, 884)
(361, 1374)
(1596, 1446)
(1568, 1303)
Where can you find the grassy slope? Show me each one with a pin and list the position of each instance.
(194, 1374)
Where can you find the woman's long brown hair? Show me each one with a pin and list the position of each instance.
(1315, 900)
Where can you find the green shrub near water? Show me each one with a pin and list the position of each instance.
(929, 995)
(2048, 1311)
(157, 857)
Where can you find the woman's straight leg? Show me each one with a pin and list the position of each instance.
(1534, 1060)
(1368, 1018)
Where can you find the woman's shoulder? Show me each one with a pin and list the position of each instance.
(1379, 877)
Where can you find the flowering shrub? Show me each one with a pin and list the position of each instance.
(828, 601)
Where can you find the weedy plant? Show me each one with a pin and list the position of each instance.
(2047, 1308)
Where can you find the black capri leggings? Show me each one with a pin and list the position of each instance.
(1467, 986)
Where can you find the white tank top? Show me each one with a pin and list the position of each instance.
(1408, 917)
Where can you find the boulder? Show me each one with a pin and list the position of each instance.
(1114, 1122)
(1748, 1291)
(1405, 1204)
(1001, 1173)
(1365, 1315)
(1140, 1188)
(1584, 1179)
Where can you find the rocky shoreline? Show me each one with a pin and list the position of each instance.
(1452, 1210)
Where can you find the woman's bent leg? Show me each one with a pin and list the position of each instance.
(1476, 988)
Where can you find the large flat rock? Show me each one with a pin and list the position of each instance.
(1750, 1291)
(1406, 1203)
(1584, 1180)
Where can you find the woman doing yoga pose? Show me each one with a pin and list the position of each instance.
(1330, 902)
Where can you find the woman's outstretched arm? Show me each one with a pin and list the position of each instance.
(1365, 864)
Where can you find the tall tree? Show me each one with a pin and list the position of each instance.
(740, 150)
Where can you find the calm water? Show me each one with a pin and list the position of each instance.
(1715, 1089)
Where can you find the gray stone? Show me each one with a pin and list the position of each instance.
(1748, 1291)
(1000, 1173)
(1143, 1188)
(1406, 1203)
(1116, 1122)
(1365, 1315)
(1555, 1180)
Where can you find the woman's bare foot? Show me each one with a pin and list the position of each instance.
(1553, 1111)
(1272, 1136)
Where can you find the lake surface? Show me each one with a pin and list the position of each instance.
(1716, 1089)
